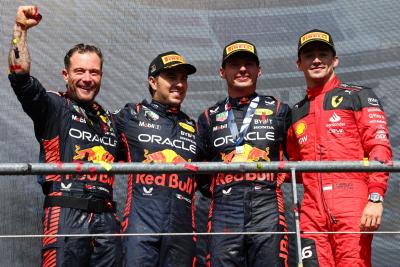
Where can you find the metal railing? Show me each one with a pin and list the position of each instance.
(198, 167)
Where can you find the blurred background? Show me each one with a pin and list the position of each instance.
(131, 33)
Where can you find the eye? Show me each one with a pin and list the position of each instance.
(79, 71)
(95, 72)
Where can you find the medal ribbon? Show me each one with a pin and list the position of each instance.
(237, 136)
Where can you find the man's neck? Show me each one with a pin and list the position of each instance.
(241, 92)
(317, 83)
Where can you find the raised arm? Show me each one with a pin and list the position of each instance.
(19, 60)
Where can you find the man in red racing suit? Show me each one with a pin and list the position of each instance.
(337, 121)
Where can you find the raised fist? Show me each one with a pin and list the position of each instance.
(28, 16)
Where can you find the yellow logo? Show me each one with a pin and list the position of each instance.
(171, 58)
(187, 127)
(314, 35)
(336, 100)
(239, 46)
(301, 128)
(263, 111)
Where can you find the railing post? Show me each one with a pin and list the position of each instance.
(296, 207)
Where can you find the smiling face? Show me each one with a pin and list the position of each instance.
(318, 62)
(83, 77)
(170, 86)
(241, 72)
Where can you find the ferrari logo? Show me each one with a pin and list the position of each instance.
(336, 100)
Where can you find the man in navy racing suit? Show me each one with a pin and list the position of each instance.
(245, 127)
(159, 132)
(70, 127)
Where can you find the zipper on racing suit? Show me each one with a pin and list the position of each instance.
(322, 191)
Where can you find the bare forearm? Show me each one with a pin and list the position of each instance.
(19, 60)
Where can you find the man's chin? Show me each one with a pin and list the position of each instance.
(175, 102)
(85, 98)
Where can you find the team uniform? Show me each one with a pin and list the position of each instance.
(159, 203)
(246, 202)
(75, 204)
(338, 122)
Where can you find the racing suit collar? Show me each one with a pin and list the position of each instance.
(241, 101)
(162, 107)
(332, 83)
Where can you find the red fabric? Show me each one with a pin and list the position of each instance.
(343, 125)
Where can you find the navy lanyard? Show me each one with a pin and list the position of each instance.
(237, 136)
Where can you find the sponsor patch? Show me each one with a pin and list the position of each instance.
(149, 125)
(213, 111)
(373, 101)
(239, 46)
(220, 127)
(187, 127)
(148, 192)
(314, 36)
(263, 111)
(336, 100)
(335, 118)
(227, 192)
(172, 58)
(180, 197)
(151, 116)
(222, 116)
(272, 102)
(301, 128)
(327, 187)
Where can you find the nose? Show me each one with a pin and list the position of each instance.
(181, 83)
(317, 59)
(242, 68)
(86, 77)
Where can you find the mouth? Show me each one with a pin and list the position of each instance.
(86, 88)
(317, 68)
(242, 78)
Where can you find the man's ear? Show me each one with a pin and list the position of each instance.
(64, 73)
(222, 73)
(298, 64)
(335, 62)
(152, 82)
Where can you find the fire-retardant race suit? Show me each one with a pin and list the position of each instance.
(158, 203)
(246, 202)
(75, 204)
(338, 122)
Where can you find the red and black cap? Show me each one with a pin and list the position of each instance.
(239, 46)
(315, 35)
(169, 60)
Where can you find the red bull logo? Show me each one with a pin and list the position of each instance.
(249, 154)
(169, 180)
(96, 154)
(223, 179)
(163, 156)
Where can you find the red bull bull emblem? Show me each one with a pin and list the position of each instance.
(249, 154)
(163, 156)
(96, 154)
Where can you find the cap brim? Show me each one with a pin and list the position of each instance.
(241, 51)
(189, 68)
(316, 41)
